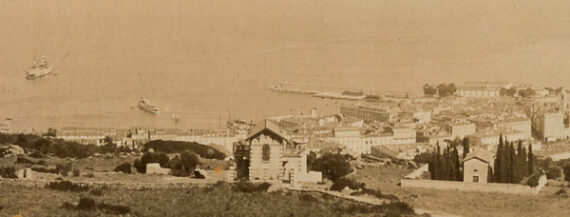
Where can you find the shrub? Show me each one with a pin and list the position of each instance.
(308, 198)
(124, 168)
(44, 170)
(86, 203)
(8, 172)
(184, 165)
(22, 160)
(96, 192)
(113, 209)
(67, 186)
(67, 205)
(553, 173)
(567, 172)
(561, 193)
(341, 183)
(76, 173)
(64, 168)
(248, 187)
(333, 166)
(37, 154)
(533, 180)
(139, 166)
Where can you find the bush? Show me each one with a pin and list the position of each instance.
(113, 209)
(86, 203)
(124, 168)
(248, 187)
(67, 186)
(96, 192)
(76, 173)
(341, 183)
(333, 166)
(64, 168)
(139, 166)
(567, 172)
(307, 197)
(533, 180)
(184, 165)
(37, 154)
(8, 172)
(553, 173)
(44, 170)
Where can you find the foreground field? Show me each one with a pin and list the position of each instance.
(467, 204)
(217, 200)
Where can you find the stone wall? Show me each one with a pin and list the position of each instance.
(477, 187)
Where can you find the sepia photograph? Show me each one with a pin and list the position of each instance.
(285, 108)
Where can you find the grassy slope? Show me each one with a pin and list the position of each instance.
(187, 202)
(467, 203)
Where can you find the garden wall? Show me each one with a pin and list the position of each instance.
(476, 187)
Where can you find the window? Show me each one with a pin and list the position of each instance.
(475, 179)
(266, 152)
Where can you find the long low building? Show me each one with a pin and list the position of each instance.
(369, 114)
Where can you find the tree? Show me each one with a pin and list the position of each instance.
(511, 163)
(332, 166)
(531, 160)
(499, 174)
(465, 147)
(522, 155)
(446, 89)
(429, 90)
(526, 92)
(51, 132)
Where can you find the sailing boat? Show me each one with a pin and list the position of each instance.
(39, 69)
(147, 105)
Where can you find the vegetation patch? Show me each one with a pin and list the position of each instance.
(8, 172)
(67, 186)
(203, 151)
(113, 209)
(124, 168)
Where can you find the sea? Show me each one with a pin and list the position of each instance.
(206, 61)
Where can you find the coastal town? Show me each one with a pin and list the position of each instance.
(474, 122)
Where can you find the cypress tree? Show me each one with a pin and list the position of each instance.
(512, 163)
(499, 162)
(437, 164)
(524, 163)
(445, 164)
(530, 160)
(465, 147)
(490, 174)
(458, 175)
(431, 164)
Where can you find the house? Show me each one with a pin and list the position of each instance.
(269, 154)
(476, 166)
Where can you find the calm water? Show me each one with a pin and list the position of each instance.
(206, 59)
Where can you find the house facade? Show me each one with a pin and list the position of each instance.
(268, 154)
(476, 166)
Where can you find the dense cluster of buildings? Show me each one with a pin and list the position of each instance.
(277, 148)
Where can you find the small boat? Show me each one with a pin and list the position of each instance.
(39, 69)
(147, 106)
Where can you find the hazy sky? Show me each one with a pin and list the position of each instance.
(206, 51)
(391, 39)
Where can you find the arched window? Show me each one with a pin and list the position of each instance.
(266, 152)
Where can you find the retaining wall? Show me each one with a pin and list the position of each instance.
(477, 187)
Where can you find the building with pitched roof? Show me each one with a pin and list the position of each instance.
(476, 166)
(268, 153)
